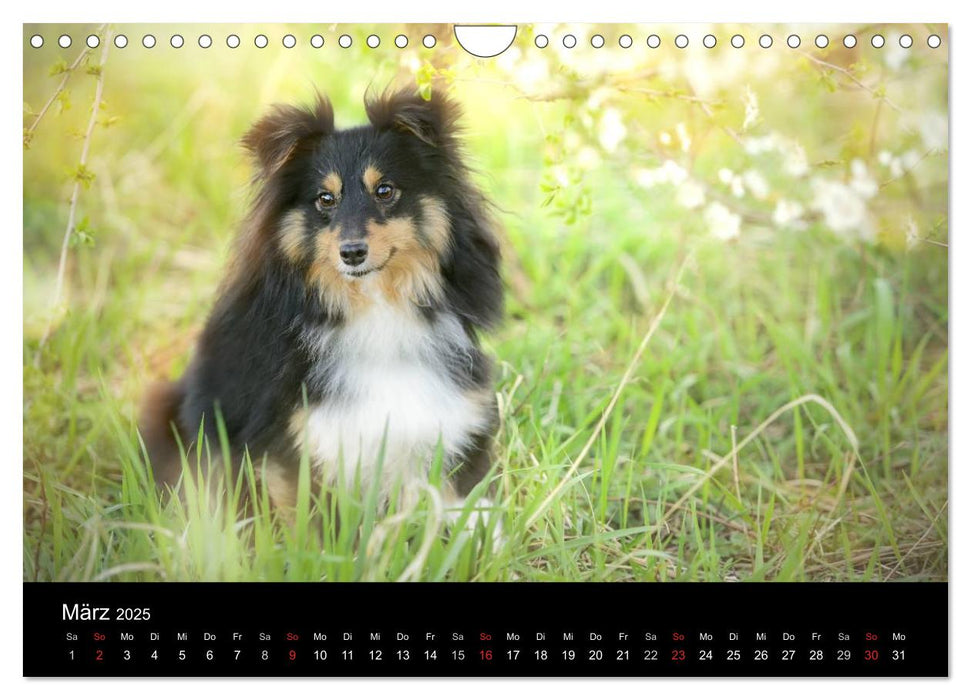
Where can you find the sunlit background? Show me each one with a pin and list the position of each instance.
(790, 202)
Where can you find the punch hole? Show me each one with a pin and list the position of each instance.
(344, 41)
(877, 41)
(232, 41)
(793, 41)
(484, 40)
(541, 41)
(934, 41)
(261, 41)
(681, 41)
(93, 41)
(429, 41)
(625, 41)
(205, 41)
(316, 41)
(64, 41)
(822, 41)
(906, 41)
(569, 41)
(849, 41)
(709, 41)
(597, 41)
(37, 41)
(738, 41)
(121, 41)
(148, 41)
(289, 41)
(176, 41)
(653, 41)
(765, 41)
(401, 41)
(374, 41)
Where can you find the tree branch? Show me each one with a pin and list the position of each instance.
(76, 193)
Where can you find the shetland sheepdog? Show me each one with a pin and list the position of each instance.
(347, 328)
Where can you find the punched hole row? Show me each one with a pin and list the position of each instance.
(233, 41)
(710, 41)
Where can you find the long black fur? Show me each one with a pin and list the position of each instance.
(250, 363)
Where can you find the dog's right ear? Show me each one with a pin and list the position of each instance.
(433, 120)
(275, 138)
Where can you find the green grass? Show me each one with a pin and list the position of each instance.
(644, 502)
(673, 407)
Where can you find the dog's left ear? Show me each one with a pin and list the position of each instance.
(275, 138)
(432, 120)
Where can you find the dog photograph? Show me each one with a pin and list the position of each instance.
(355, 303)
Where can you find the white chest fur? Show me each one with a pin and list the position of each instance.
(391, 387)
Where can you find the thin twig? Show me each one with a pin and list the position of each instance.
(671, 94)
(60, 88)
(76, 193)
(856, 81)
(908, 171)
(738, 488)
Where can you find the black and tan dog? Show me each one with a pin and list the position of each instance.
(348, 323)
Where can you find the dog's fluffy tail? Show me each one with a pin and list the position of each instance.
(158, 424)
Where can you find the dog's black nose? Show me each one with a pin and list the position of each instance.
(354, 253)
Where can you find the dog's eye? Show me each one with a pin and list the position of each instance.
(326, 200)
(384, 191)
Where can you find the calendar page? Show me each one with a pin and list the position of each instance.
(648, 316)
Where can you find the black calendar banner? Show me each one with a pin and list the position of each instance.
(333, 630)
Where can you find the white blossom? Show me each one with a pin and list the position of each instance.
(913, 238)
(725, 175)
(722, 223)
(612, 130)
(933, 130)
(794, 160)
(787, 213)
(588, 158)
(894, 55)
(669, 173)
(683, 137)
(647, 177)
(690, 195)
(751, 109)
(756, 145)
(532, 74)
(597, 97)
(508, 60)
(898, 165)
(842, 207)
(756, 184)
(910, 159)
(675, 173)
(738, 187)
(861, 182)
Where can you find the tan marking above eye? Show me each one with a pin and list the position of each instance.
(372, 177)
(332, 183)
